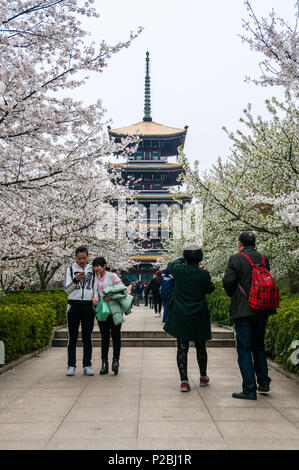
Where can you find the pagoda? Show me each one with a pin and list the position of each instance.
(151, 176)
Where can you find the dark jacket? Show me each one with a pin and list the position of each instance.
(138, 288)
(240, 271)
(188, 317)
(154, 286)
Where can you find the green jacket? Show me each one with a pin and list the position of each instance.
(121, 302)
(188, 317)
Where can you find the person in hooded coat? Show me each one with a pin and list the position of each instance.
(188, 317)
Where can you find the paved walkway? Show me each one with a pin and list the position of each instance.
(142, 407)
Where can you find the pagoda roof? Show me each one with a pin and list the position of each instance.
(148, 166)
(145, 258)
(147, 129)
(161, 197)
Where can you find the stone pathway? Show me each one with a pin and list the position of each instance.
(142, 407)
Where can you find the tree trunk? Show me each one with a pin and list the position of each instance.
(46, 273)
(293, 280)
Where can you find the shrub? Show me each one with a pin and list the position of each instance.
(282, 330)
(24, 328)
(54, 297)
(27, 320)
(218, 305)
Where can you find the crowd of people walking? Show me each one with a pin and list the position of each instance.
(181, 289)
(156, 293)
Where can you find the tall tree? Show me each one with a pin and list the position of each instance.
(278, 42)
(52, 147)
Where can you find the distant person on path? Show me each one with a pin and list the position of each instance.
(78, 285)
(188, 317)
(133, 292)
(145, 284)
(139, 288)
(250, 324)
(150, 300)
(166, 291)
(107, 327)
(130, 288)
(154, 287)
(148, 297)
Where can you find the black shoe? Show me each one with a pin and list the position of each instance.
(245, 396)
(104, 369)
(115, 366)
(263, 389)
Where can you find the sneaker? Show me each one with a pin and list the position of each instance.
(245, 396)
(70, 371)
(263, 388)
(185, 386)
(204, 381)
(88, 370)
(157, 315)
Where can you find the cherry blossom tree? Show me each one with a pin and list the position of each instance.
(278, 42)
(256, 188)
(53, 183)
(44, 231)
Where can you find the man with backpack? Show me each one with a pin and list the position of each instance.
(166, 291)
(254, 297)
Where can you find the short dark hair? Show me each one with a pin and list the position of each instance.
(247, 238)
(100, 261)
(193, 256)
(81, 249)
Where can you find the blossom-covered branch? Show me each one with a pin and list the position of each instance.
(278, 41)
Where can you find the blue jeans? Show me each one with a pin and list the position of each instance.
(166, 303)
(252, 358)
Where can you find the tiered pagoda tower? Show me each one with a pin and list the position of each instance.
(152, 176)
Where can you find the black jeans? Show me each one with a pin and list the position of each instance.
(84, 312)
(158, 304)
(182, 353)
(252, 357)
(107, 327)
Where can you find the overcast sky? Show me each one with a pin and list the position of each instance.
(198, 67)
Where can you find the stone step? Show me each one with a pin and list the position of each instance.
(149, 342)
(63, 334)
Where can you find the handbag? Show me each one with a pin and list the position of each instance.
(102, 309)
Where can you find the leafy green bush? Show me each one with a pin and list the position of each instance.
(24, 328)
(54, 297)
(218, 305)
(282, 330)
(27, 320)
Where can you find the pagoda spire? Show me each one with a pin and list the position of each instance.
(147, 93)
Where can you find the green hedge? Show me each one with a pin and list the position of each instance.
(24, 329)
(57, 298)
(282, 328)
(218, 304)
(27, 320)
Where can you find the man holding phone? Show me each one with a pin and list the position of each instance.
(79, 287)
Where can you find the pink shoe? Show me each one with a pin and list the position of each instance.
(204, 381)
(185, 386)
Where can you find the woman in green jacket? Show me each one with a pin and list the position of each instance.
(188, 318)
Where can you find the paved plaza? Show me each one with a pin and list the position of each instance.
(143, 407)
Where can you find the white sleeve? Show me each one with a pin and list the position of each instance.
(69, 284)
(95, 288)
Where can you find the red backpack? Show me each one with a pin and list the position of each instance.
(263, 294)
